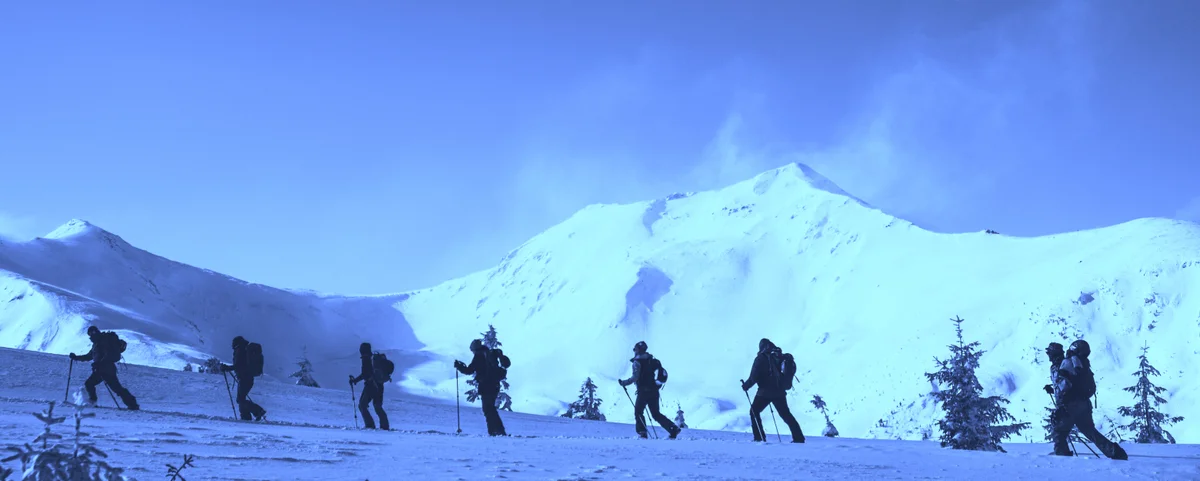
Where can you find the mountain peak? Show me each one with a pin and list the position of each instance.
(787, 175)
(79, 229)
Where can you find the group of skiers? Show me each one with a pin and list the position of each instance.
(1072, 384)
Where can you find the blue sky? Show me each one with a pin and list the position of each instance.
(369, 147)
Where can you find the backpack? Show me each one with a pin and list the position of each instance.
(113, 345)
(254, 359)
(662, 371)
(382, 368)
(1086, 383)
(781, 368)
(499, 364)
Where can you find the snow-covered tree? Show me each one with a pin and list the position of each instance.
(972, 421)
(1148, 421)
(679, 417)
(588, 404)
(187, 367)
(830, 431)
(304, 375)
(503, 400)
(211, 366)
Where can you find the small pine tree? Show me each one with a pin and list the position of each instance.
(42, 459)
(971, 420)
(830, 431)
(304, 375)
(679, 417)
(1148, 421)
(588, 404)
(503, 400)
(187, 367)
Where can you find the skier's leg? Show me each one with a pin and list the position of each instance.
(657, 414)
(244, 405)
(785, 412)
(368, 393)
(756, 408)
(639, 414)
(90, 384)
(1082, 412)
(378, 401)
(1061, 430)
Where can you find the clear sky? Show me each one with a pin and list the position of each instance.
(371, 147)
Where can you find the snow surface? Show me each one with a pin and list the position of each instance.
(861, 298)
(189, 413)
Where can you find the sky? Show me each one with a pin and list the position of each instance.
(373, 147)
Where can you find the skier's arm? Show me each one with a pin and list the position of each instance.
(1066, 374)
(637, 371)
(88, 356)
(753, 379)
(465, 369)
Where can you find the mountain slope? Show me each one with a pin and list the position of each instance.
(52, 288)
(861, 298)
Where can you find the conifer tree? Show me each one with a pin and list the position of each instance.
(972, 421)
(830, 431)
(679, 417)
(304, 375)
(503, 400)
(1148, 421)
(588, 404)
(187, 367)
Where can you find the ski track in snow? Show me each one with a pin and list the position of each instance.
(189, 413)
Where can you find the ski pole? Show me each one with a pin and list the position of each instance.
(776, 423)
(757, 426)
(70, 369)
(230, 392)
(634, 405)
(457, 404)
(111, 395)
(354, 404)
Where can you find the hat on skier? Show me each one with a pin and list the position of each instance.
(765, 345)
(238, 341)
(477, 345)
(1080, 348)
(640, 346)
(364, 348)
(93, 330)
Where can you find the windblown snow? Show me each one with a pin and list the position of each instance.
(861, 298)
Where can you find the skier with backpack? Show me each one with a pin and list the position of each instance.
(1073, 386)
(772, 371)
(376, 371)
(649, 376)
(107, 348)
(247, 364)
(490, 366)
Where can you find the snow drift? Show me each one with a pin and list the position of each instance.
(861, 298)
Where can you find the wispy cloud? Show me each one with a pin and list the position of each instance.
(17, 227)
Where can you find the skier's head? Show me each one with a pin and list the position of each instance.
(640, 347)
(93, 331)
(364, 348)
(1079, 348)
(239, 342)
(1055, 352)
(477, 346)
(765, 345)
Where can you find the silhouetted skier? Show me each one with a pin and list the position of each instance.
(245, 369)
(372, 390)
(489, 367)
(106, 351)
(1073, 386)
(773, 383)
(649, 376)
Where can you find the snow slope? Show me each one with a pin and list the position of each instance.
(52, 288)
(863, 300)
(188, 413)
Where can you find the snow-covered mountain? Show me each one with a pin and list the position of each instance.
(53, 287)
(861, 298)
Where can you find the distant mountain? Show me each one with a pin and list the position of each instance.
(861, 298)
(52, 288)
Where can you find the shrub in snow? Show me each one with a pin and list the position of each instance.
(972, 421)
(187, 367)
(503, 401)
(588, 404)
(48, 459)
(175, 472)
(304, 375)
(1148, 421)
(679, 417)
(211, 366)
(830, 431)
